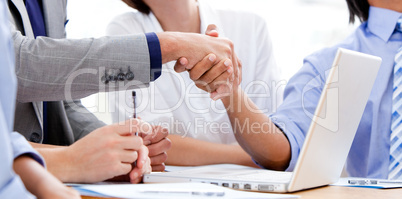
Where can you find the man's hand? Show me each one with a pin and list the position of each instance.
(210, 75)
(107, 152)
(194, 52)
(157, 144)
(194, 47)
(141, 167)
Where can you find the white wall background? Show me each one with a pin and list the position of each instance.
(297, 27)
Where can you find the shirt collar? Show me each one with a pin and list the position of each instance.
(382, 22)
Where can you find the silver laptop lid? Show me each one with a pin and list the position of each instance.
(335, 121)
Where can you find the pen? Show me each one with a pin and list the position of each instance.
(135, 112)
(134, 116)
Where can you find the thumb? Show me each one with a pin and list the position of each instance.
(212, 30)
(181, 65)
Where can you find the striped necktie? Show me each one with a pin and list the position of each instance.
(395, 166)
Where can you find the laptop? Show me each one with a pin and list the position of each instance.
(334, 124)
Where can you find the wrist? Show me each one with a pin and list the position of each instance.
(233, 98)
(57, 162)
(168, 43)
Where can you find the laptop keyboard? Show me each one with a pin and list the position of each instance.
(271, 176)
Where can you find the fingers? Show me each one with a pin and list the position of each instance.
(239, 74)
(225, 88)
(158, 159)
(128, 156)
(216, 71)
(202, 67)
(160, 167)
(137, 173)
(130, 142)
(135, 176)
(222, 91)
(212, 30)
(157, 135)
(142, 157)
(124, 168)
(237, 69)
(222, 80)
(181, 65)
(159, 147)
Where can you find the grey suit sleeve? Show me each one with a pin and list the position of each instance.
(56, 69)
(81, 120)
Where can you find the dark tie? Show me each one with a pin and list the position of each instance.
(35, 13)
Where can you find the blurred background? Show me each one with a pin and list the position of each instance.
(297, 27)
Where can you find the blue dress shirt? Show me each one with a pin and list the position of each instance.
(369, 155)
(12, 145)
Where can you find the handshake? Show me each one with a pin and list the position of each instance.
(210, 61)
(110, 152)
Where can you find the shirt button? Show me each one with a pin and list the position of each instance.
(35, 137)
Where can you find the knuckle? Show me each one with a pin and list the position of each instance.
(138, 140)
(168, 143)
(164, 157)
(228, 50)
(230, 44)
(165, 131)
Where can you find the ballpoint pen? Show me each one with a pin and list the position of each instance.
(134, 116)
(135, 112)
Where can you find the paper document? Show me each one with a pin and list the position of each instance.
(369, 183)
(225, 166)
(171, 190)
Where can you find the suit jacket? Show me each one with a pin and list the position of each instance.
(53, 68)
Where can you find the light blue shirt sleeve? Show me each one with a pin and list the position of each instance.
(301, 96)
(12, 145)
(21, 146)
(369, 154)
